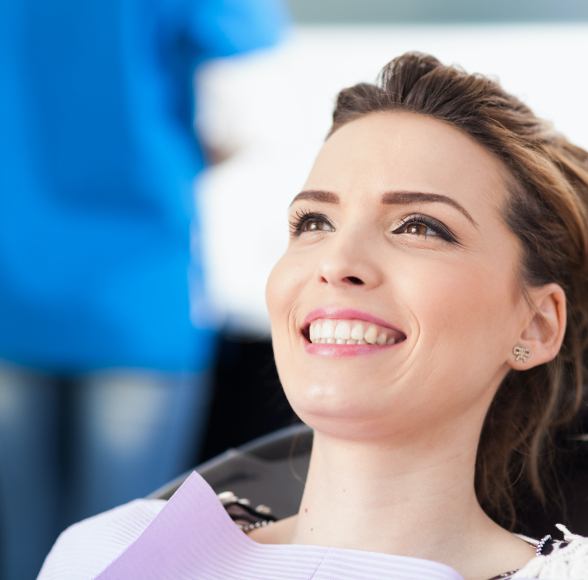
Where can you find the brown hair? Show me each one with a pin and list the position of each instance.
(548, 211)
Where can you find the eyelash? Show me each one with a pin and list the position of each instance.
(439, 228)
(304, 217)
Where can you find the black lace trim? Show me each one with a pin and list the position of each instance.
(242, 512)
(504, 575)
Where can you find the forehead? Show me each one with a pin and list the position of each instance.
(406, 151)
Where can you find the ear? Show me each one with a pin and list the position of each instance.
(545, 329)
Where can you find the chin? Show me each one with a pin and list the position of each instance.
(339, 404)
(347, 426)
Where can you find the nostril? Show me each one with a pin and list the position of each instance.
(351, 280)
(354, 280)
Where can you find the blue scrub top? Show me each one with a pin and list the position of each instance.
(97, 165)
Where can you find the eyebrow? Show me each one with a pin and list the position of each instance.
(389, 198)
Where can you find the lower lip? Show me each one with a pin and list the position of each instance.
(338, 350)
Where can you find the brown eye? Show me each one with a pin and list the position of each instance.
(418, 229)
(415, 228)
(422, 226)
(313, 225)
(305, 222)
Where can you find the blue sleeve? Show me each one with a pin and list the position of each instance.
(220, 28)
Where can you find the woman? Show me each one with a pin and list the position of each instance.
(429, 320)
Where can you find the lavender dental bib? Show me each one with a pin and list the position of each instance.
(193, 537)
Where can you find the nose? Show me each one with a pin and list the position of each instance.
(347, 263)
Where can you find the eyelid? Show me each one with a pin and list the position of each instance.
(303, 216)
(441, 230)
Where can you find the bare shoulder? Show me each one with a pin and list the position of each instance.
(88, 546)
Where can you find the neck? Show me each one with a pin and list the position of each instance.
(414, 499)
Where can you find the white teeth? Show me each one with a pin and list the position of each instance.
(357, 331)
(315, 331)
(343, 331)
(328, 329)
(371, 334)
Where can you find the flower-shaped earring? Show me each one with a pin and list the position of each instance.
(521, 353)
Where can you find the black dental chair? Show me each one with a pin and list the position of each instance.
(271, 470)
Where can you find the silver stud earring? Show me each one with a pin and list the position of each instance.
(521, 353)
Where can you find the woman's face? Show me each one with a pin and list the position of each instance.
(397, 302)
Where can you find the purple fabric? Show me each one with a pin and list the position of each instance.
(193, 537)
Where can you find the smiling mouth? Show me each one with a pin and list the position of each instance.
(350, 332)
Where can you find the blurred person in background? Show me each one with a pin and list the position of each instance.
(103, 374)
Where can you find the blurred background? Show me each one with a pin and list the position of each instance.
(204, 120)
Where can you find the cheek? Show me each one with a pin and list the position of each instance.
(279, 292)
(467, 319)
(284, 289)
(271, 293)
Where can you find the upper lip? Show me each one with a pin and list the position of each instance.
(347, 314)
